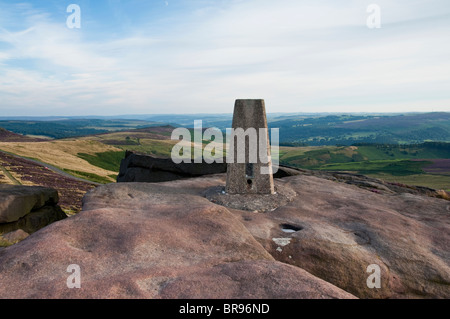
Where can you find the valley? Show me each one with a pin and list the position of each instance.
(74, 165)
(18, 171)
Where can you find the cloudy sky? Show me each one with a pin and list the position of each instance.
(198, 56)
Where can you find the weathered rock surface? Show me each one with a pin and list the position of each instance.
(166, 240)
(137, 167)
(143, 168)
(335, 231)
(251, 202)
(29, 208)
(15, 236)
(136, 240)
(35, 220)
(372, 184)
(259, 279)
(18, 201)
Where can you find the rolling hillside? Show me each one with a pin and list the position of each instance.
(67, 128)
(145, 140)
(426, 164)
(97, 157)
(8, 136)
(351, 129)
(94, 157)
(19, 171)
(300, 129)
(63, 154)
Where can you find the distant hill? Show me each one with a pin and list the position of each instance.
(7, 136)
(67, 128)
(351, 129)
(426, 164)
(295, 129)
(94, 157)
(150, 140)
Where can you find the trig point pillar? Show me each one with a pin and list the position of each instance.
(250, 169)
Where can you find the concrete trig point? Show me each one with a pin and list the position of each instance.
(247, 177)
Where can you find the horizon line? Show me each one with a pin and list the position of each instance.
(211, 114)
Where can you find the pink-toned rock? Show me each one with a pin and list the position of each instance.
(338, 230)
(18, 201)
(260, 279)
(15, 236)
(168, 241)
(152, 241)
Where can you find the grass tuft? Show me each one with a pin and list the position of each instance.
(89, 176)
(107, 160)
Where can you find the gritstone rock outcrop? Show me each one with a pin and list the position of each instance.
(153, 241)
(28, 208)
(167, 240)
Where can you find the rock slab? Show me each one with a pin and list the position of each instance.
(167, 240)
(142, 168)
(28, 208)
(15, 236)
(335, 231)
(18, 201)
(135, 240)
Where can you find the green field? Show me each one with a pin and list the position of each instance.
(375, 146)
(89, 176)
(312, 129)
(427, 180)
(385, 152)
(107, 160)
(392, 167)
(348, 129)
(151, 147)
(394, 163)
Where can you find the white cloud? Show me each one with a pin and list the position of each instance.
(299, 56)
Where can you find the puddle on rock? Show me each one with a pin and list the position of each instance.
(287, 228)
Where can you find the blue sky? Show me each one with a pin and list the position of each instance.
(198, 56)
